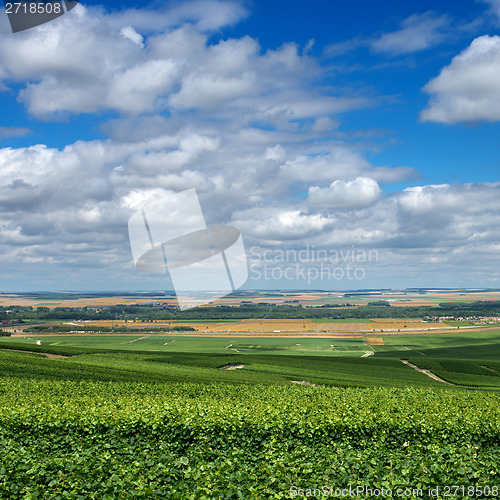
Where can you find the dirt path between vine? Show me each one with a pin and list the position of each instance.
(52, 356)
(425, 372)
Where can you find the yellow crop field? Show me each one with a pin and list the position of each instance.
(275, 327)
(404, 324)
(342, 327)
(374, 340)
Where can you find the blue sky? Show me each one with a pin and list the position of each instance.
(328, 125)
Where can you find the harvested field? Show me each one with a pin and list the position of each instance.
(273, 327)
(374, 341)
(341, 327)
(404, 324)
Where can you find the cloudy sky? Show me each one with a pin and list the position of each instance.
(354, 144)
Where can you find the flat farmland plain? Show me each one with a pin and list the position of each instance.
(397, 298)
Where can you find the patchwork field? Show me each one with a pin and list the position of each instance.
(397, 298)
(100, 301)
(273, 327)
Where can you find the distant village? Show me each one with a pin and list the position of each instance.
(477, 320)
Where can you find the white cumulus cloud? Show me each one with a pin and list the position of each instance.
(253, 130)
(467, 89)
(359, 193)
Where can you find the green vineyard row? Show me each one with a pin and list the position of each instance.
(120, 440)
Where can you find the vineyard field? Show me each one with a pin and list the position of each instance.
(122, 440)
(124, 417)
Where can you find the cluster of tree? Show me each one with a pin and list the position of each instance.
(477, 308)
(104, 329)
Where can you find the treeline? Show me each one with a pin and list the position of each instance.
(154, 312)
(104, 329)
(477, 308)
(150, 312)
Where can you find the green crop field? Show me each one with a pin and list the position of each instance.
(123, 417)
(128, 365)
(222, 345)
